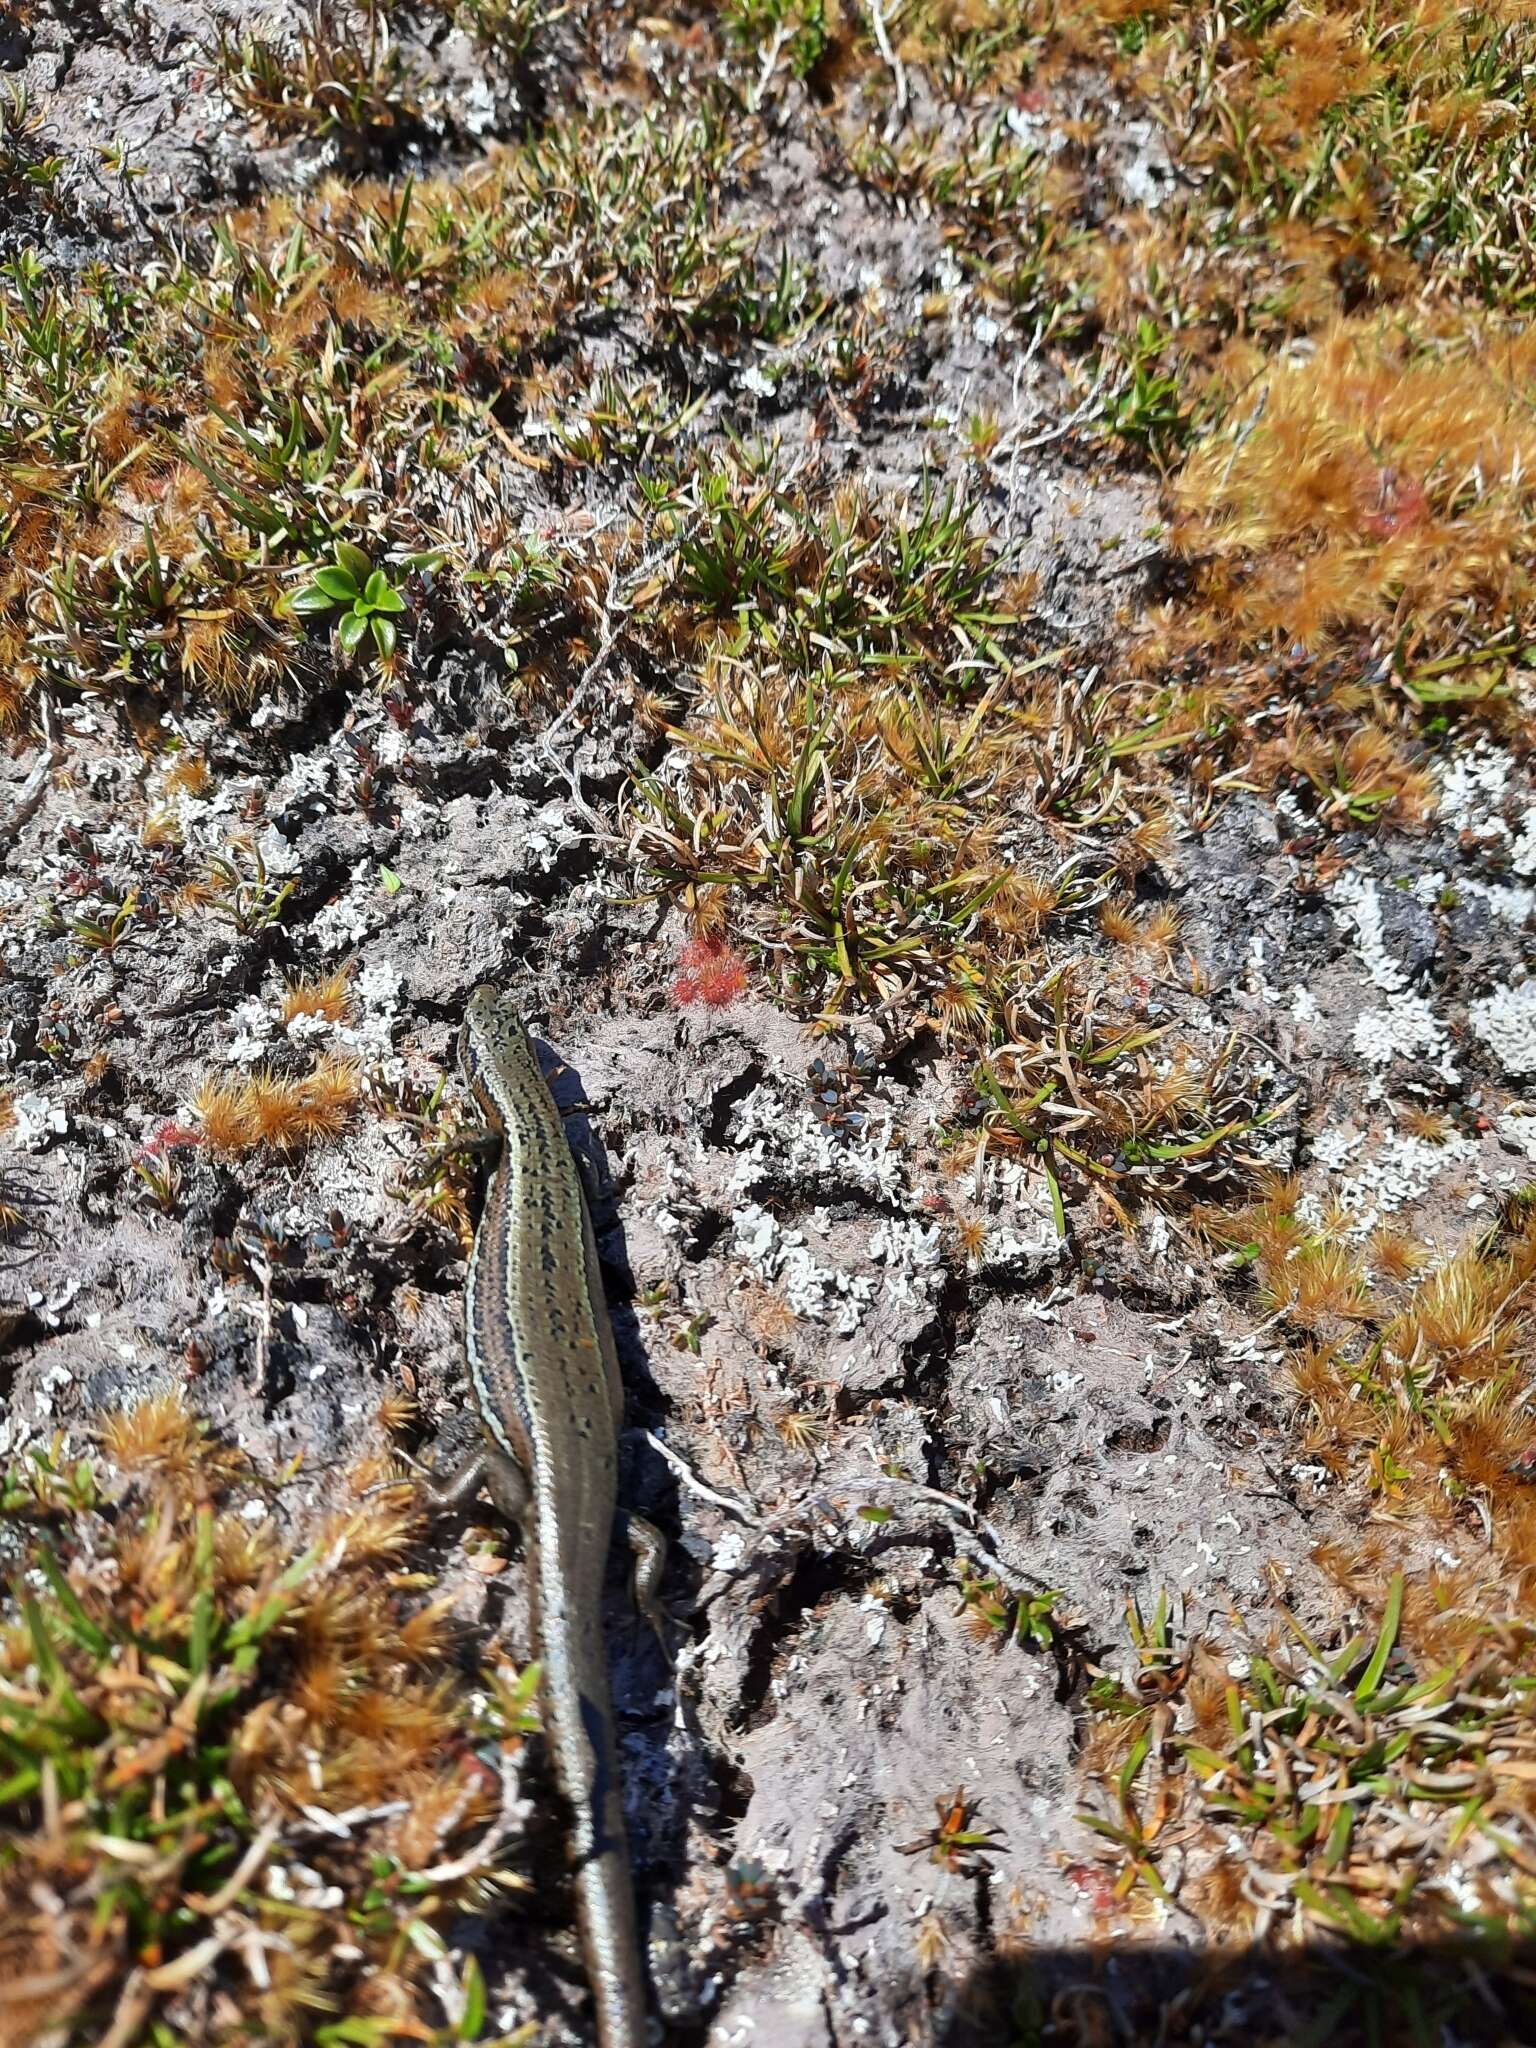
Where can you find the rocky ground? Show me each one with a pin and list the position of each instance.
(975, 1474)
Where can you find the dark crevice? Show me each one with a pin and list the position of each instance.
(814, 1577)
(1135, 1437)
(726, 1099)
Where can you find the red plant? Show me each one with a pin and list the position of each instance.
(1394, 504)
(167, 1138)
(1094, 1883)
(713, 973)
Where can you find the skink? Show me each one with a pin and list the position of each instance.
(546, 1380)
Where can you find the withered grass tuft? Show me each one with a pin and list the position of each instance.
(243, 1790)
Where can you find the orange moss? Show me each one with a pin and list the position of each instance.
(276, 1111)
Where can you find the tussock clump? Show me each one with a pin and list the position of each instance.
(899, 806)
(179, 454)
(323, 995)
(276, 1112)
(1378, 1782)
(1415, 1380)
(229, 1771)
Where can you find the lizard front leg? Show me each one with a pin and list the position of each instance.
(488, 1465)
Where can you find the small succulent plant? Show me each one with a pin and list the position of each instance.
(369, 603)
